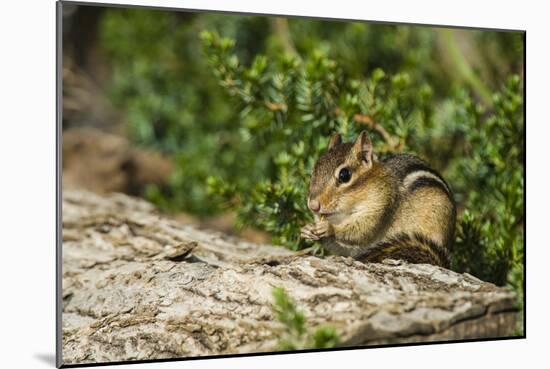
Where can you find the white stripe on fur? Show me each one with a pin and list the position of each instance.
(411, 177)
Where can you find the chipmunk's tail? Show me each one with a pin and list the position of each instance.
(414, 248)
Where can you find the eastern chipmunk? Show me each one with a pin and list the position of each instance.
(398, 208)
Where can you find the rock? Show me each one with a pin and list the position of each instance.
(138, 286)
(103, 162)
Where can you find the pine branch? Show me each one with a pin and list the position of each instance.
(394, 143)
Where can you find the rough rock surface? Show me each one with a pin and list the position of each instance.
(137, 285)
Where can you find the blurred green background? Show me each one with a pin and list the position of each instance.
(242, 106)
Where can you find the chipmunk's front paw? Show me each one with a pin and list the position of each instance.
(316, 231)
(307, 233)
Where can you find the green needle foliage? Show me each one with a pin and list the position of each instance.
(245, 106)
(289, 107)
(491, 231)
(295, 335)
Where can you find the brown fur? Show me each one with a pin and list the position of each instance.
(377, 215)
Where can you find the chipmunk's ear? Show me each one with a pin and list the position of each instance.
(363, 148)
(335, 140)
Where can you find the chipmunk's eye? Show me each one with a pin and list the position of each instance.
(344, 175)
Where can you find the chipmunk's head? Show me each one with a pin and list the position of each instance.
(341, 176)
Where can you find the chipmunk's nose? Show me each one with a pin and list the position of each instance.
(314, 205)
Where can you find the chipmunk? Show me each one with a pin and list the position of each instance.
(397, 208)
